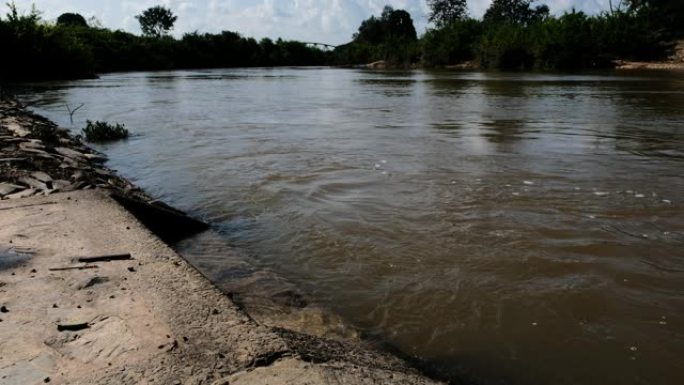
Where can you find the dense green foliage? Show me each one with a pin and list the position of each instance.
(72, 19)
(668, 14)
(104, 132)
(445, 12)
(519, 12)
(513, 34)
(519, 34)
(390, 37)
(456, 42)
(156, 21)
(33, 49)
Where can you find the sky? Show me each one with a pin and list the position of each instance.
(324, 21)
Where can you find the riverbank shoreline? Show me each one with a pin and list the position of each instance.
(145, 315)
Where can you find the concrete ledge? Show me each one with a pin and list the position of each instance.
(149, 320)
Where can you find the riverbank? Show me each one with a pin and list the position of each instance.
(143, 316)
(674, 63)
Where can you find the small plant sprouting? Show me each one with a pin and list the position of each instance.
(104, 132)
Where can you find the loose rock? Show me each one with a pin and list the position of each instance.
(22, 194)
(8, 188)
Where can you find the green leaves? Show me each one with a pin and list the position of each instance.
(104, 132)
(156, 21)
(444, 12)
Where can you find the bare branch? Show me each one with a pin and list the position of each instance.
(72, 112)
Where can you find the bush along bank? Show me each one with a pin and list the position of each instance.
(34, 49)
(512, 34)
(104, 132)
(521, 34)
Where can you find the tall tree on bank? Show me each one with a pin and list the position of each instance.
(391, 25)
(445, 12)
(72, 19)
(156, 21)
(668, 14)
(518, 12)
(390, 37)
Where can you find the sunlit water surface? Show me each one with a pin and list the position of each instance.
(512, 228)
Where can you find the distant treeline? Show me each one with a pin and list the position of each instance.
(70, 48)
(522, 34)
(513, 34)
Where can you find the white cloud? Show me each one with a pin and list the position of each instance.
(328, 21)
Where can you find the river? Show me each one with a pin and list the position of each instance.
(509, 228)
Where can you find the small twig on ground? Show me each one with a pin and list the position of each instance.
(106, 258)
(73, 268)
(73, 327)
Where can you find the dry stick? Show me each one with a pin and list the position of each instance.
(73, 268)
(615, 9)
(72, 112)
(73, 327)
(106, 258)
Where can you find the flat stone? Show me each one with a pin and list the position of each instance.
(35, 183)
(8, 188)
(36, 151)
(102, 172)
(44, 155)
(60, 183)
(95, 157)
(69, 153)
(22, 194)
(15, 128)
(25, 146)
(41, 176)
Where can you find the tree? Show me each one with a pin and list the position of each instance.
(25, 21)
(72, 19)
(515, 12)
(398, 24)
(444, 12)
(156, 21)
(392, 24)
(616, 6)
(668, 14)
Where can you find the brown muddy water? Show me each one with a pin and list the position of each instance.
(508, 228)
